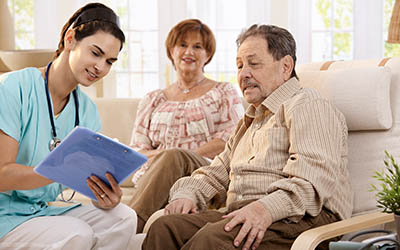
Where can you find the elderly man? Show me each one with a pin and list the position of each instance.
(282, 172)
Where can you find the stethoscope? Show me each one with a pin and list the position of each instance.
(55, 141)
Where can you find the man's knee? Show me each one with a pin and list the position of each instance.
(166, 223)
(213, 234)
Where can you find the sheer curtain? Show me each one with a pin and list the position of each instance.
(143, 65)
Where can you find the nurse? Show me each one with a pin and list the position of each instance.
(38, 108)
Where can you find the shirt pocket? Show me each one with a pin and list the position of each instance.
(272, 145)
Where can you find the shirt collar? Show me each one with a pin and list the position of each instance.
(275, 99)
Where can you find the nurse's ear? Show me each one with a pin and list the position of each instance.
(69, 40)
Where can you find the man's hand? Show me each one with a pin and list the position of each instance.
(255, 219)
(106, 198)
(181, 206)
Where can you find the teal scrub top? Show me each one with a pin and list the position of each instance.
(24, 116)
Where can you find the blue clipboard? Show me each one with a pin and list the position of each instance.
(84, 153)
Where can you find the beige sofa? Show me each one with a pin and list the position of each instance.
(367, 94)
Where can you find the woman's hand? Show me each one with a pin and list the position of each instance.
(106, 198)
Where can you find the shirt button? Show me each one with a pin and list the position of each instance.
(240, 197)
(32, 209)
(237, 177)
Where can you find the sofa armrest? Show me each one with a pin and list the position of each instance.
(152, 218)
(310, 239)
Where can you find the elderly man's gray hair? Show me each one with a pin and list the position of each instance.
(280, 42)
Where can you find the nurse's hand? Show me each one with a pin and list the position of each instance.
(106, 198)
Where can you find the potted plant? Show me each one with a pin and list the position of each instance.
(388, 190)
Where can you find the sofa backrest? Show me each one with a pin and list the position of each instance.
(117, 117)
(371, 131)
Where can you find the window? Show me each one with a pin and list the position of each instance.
(22, 11)
(143, 65)
(332, 30)
(323, 29)
(351, 29)
(139, 69)
(390, 49)
(136, 71)
(226, 19)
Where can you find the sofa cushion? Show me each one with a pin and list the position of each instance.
(117, 117)
(361, 94)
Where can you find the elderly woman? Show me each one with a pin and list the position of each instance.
(184, 126)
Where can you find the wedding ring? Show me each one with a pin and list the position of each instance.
(103, 195)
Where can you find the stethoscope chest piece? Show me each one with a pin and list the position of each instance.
(54, 143)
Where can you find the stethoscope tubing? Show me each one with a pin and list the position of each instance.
(74, 93)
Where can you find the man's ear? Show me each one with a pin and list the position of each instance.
(69, 40)
(287, 65)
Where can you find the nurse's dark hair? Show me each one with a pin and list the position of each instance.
(90, 19)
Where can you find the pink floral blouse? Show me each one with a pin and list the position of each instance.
(164, 124)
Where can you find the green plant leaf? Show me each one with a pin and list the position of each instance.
(388, 188)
